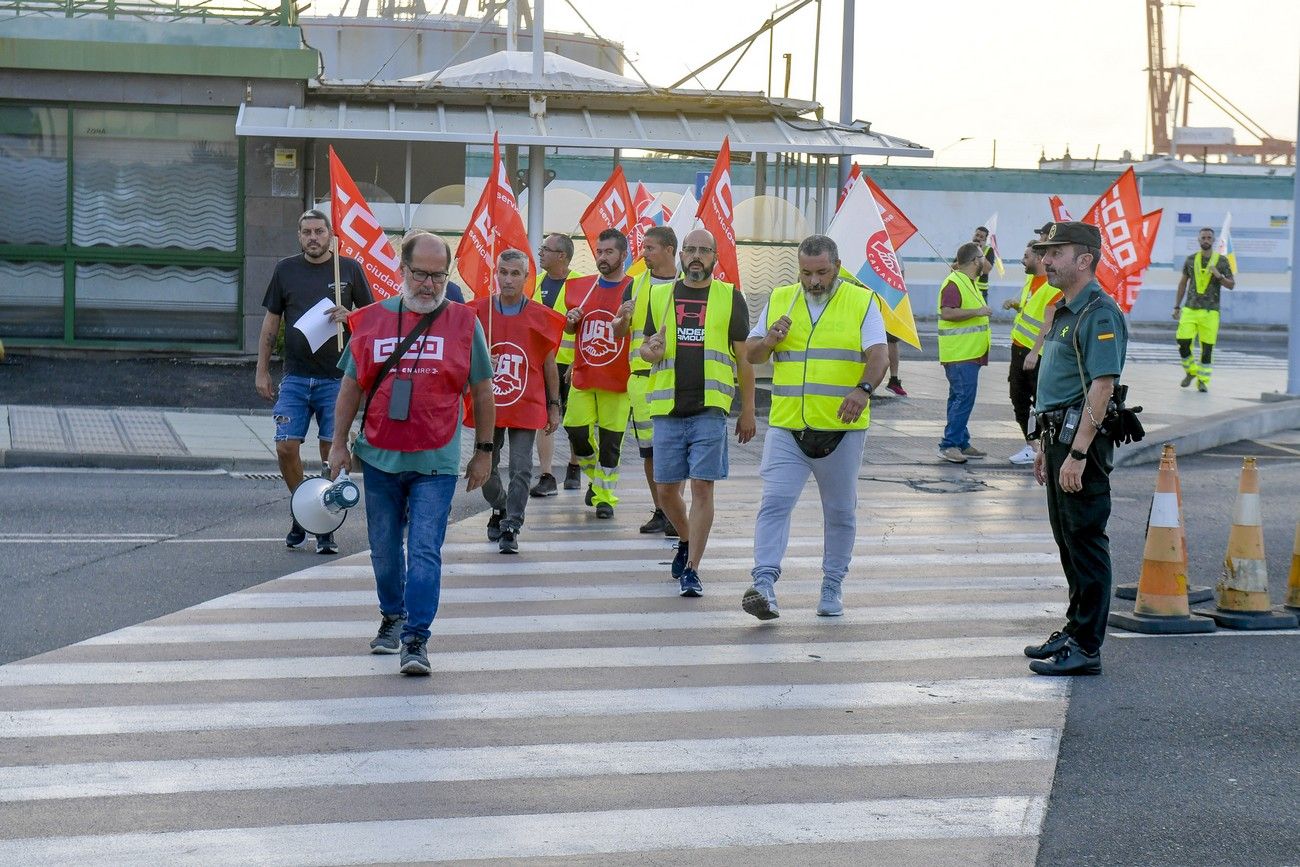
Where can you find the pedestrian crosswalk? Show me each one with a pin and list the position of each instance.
(579, 710)
(1146, 352)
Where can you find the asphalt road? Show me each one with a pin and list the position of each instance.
(1184, 752)
(85, 552)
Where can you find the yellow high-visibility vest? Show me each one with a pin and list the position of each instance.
(1033, 310)
(719, 357)
(817, 365)
(1203, 273)
(970, 338)
(563, 355)
(641, 286)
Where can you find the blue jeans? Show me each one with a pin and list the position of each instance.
(300, 398)
(418, 504)
(691, 447)
(963, 381)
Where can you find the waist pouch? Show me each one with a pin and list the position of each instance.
(817, 443)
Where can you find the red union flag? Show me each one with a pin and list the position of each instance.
(900, 228)
(1130, 285)
(715, 214)
(611, 209)
(360, 235)
(1118, 214)
(854, 174)
(1059, 213)
(494, 226)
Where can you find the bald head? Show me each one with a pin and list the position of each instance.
(699, 254)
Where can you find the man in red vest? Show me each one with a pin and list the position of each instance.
(409, 447)
(598, 408)
(523, 336)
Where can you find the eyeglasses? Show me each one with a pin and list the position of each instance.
(691, 251)
(544, 249)
(420, 276)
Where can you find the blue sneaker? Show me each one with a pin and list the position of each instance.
(690, 584)
(679, 560)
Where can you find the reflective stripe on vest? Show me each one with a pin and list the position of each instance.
(719, 360)
(817, 364)
(563, 355)
(641, 298)
(966, 339)
(1203, 273)
(1033, 310)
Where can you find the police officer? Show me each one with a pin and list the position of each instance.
(1083, 356)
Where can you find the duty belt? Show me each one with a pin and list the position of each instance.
(1049, 423)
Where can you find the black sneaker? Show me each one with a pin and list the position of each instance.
(1202, 387)
(590, 496)
(325, 544)
(679, 561)
(604, 510)
(656, 522)
(1187, 380)
(669, 530)
(690, 584)
(415, 659)
(1054, 642)
(572, 477)
(509, 542)
(757, 603)
(296, 536)
(1070, 660)
(494, 525)
(385, 641)
(545, 486)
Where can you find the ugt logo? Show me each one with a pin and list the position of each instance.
(596, 340)
(510, 376)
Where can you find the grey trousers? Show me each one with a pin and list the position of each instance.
(785, 470)
(512, 500)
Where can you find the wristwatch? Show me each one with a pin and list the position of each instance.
(1078, 455)
(865, 386)
(484, 447)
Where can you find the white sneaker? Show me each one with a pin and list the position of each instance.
(1024, 456)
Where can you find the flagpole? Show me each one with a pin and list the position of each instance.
(338, 293)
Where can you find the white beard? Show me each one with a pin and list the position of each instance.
(419, 304)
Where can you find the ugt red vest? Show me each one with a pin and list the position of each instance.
(519, 346)
(437, 363)
(600, 360)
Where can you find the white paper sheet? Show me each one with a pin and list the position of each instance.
(316, 326)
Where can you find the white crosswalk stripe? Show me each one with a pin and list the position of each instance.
(578, 710)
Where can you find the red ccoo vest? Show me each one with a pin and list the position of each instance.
(438, 364)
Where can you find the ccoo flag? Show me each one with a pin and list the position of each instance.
(1059, 213)
(360, 235)
(715, 214)
(650, 212)
(1224, 245)
(1118, 214)
(873, 262)
(611, 209)
(494, 226)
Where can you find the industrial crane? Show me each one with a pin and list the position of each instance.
(1169, 91)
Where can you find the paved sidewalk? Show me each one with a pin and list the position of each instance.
(903, 429)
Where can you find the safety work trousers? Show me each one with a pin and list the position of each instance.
(595, 421)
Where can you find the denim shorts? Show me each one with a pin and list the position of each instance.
(302, 397)
(693, 447)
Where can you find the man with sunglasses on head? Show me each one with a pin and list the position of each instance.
(412, 358)
(310, 384)
(553, 259)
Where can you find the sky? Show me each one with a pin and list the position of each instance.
(1036, 76)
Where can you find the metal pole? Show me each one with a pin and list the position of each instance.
(1293, 335)
(536, 193)
(406, 216)
(539, 49)
(512, 25)
(846, 85)
(817, 49)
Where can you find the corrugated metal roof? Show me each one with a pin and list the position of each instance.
(552, 126)
(513, 70)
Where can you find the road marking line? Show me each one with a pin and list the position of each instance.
(314, 713)
(655, 543)
(532, 659)
(191, 633)
(553, 834)
(532, 761)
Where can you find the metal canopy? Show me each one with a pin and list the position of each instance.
(538, 124)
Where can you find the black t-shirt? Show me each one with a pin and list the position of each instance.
(551, 288)
(691, 307)
(296, 287)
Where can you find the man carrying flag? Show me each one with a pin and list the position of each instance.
(1199, 318)
(522, 338)
(989, 259)
(596, 417)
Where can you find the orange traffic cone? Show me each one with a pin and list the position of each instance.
(1243, 589)
(1293, 581)
(1162, 605)
(1195, 595)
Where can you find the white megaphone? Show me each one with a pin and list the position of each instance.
(321, 506)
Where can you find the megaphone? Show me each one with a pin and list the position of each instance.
(321, 506)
